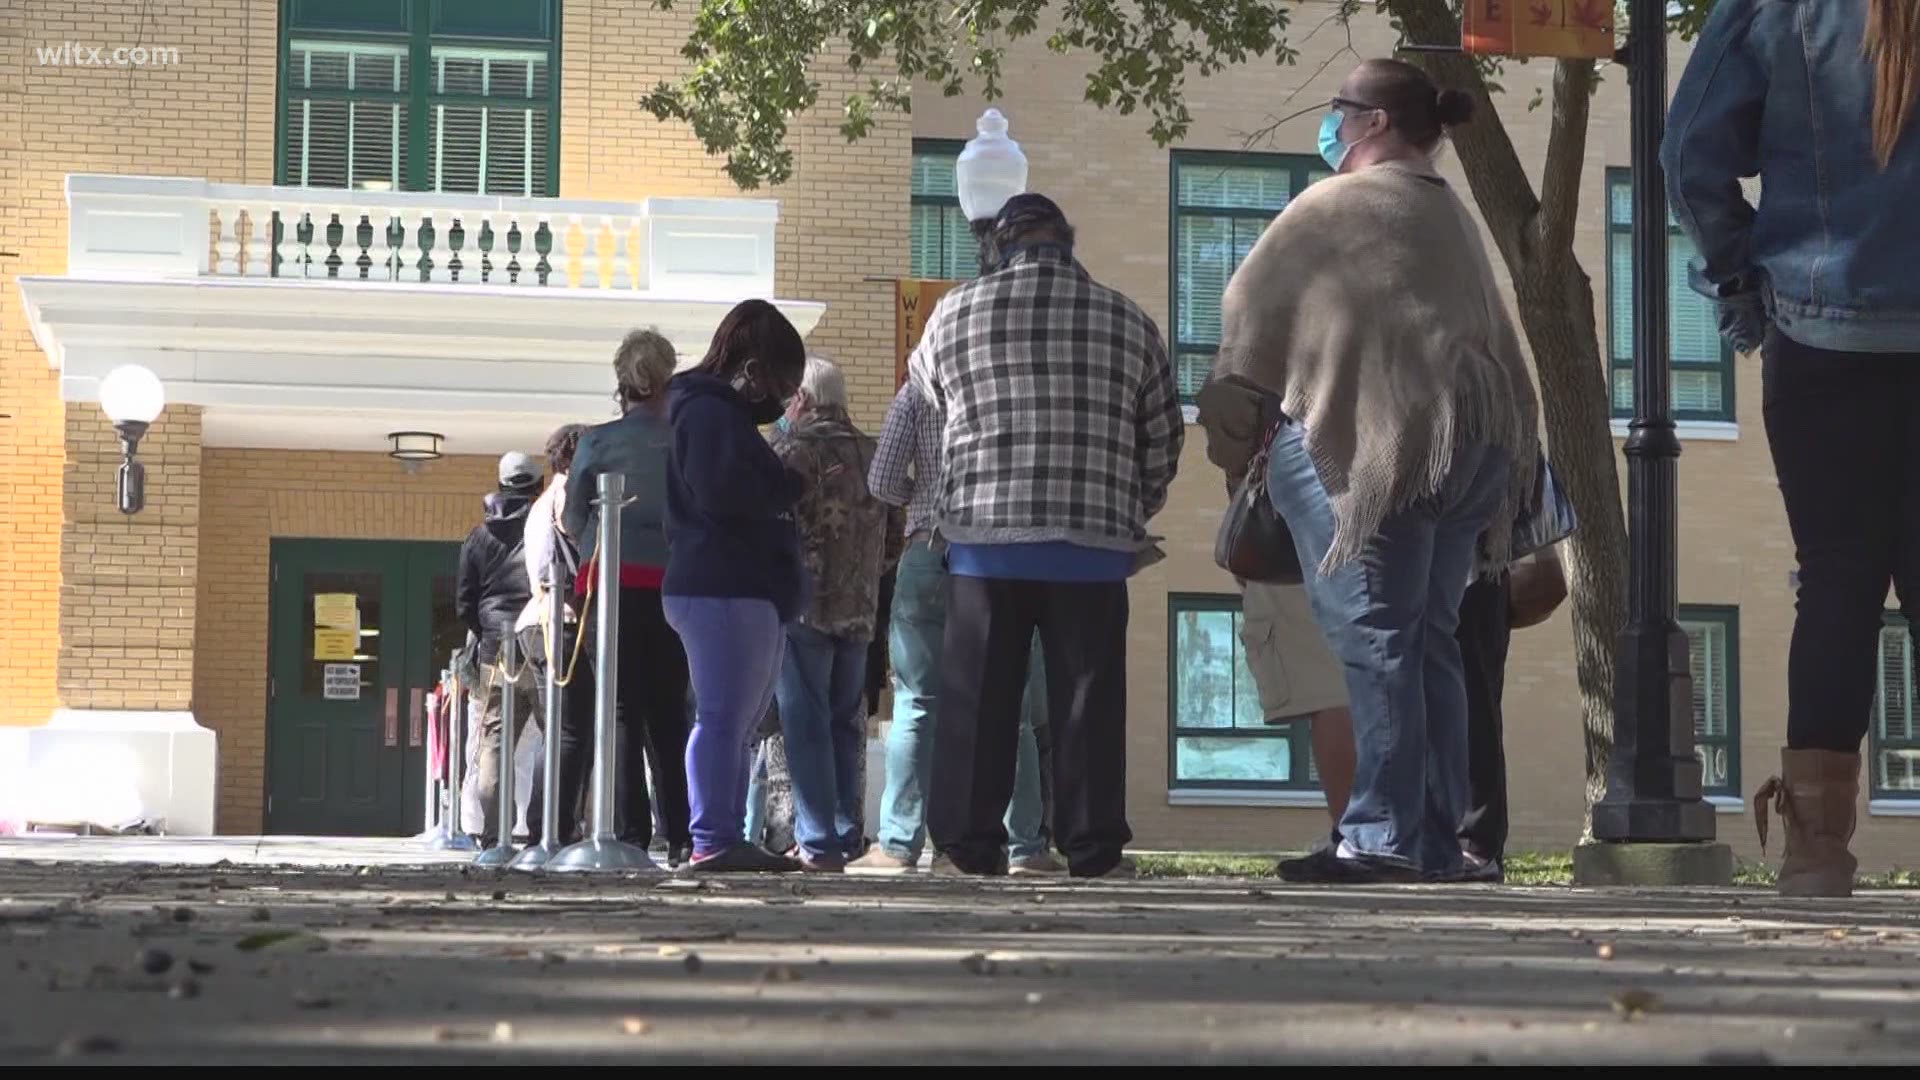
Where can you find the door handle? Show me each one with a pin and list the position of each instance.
(416, 699)
(393, 716)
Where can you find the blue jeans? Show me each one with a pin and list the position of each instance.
(822, 682)
(918, 626)
(1390, 616)
(733, 654)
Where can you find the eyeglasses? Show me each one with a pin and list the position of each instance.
(1349, 103)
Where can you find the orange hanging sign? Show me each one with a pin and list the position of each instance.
(914, 299)
(1572, 29)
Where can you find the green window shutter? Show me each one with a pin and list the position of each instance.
(490, 122)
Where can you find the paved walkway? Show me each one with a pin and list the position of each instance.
(438, 964)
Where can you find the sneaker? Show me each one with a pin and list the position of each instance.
(1344, 866)
(1124, 870)
(879, 862)
(1044, 863)
(831, 862)
(1475, 870)
(943, 866)
(743, 858)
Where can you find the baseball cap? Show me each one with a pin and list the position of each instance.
(518, 470)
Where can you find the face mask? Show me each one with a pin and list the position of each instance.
(767, 410)
(1332, 150)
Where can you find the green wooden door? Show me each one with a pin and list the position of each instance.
(360, 631)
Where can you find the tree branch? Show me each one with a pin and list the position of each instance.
(1566, 154)
(1499, 182)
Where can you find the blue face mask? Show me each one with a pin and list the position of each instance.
(1332, 150)
(783, 425)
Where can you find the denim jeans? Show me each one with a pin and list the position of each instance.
(1390, 615)
(821, 683)
(733, 655)
(919, 622)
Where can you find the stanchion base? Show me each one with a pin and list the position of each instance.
(499, 854)
(533, 857)
(441, 841)
(602, 856)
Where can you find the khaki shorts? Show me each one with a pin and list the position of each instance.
(1295, 672)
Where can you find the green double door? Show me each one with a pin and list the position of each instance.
(360, 632)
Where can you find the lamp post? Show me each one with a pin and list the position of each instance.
(132, 398)
(991, 169)
(1653, 825)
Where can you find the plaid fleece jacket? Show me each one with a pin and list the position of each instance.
(1058, 407)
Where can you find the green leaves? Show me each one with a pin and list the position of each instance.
(755, 65)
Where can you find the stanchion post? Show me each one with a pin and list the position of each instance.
(603, 851)
(538, 855)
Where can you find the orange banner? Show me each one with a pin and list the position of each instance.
(913, 301)
(1562, 28)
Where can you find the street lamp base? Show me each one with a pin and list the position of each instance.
(1632, 864)
(1653, 820)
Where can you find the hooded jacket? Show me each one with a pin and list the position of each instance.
(493, 586)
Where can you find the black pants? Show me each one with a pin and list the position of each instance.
(1844, 429)
(1485, 630)
(1083, 635)
(652, 717)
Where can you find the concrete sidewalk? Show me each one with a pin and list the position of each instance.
(439, 964)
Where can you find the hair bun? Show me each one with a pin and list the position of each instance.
(1453, 107)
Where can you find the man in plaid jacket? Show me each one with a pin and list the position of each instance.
(1062, 433)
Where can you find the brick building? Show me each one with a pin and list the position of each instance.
(273, 464)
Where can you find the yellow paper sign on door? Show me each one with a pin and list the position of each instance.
(337, 611)
(334, 644)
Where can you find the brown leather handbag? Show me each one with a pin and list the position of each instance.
(1254, 543)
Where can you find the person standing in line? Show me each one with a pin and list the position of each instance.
(542, 538)
(1818, 101)
(1061, 435)
(734, 575)
(490, 591)
(1409, 426)
(906, 472)
(843, 540)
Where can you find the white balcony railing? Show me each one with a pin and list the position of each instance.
(160, 227)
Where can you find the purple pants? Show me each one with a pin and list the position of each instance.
(734, 648)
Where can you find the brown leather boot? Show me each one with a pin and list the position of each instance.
(1817, 800)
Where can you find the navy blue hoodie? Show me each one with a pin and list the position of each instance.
(730, 530)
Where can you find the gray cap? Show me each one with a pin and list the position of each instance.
(518, 470)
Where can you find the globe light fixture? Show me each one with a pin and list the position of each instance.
(132, 398)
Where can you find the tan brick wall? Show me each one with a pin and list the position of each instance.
(251, 497)
(1734, 547)
(212, 116)
(127, 581)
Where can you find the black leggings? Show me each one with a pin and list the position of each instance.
(1844, 429)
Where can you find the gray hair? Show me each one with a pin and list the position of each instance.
(642, 365)
(823, 383)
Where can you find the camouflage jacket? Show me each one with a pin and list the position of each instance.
(844, 530)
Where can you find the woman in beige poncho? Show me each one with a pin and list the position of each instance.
(1369, 317)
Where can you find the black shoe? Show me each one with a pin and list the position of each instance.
(678, 854)
(1326, 867)
(831, 862)
(1475, 870)
(743, 858)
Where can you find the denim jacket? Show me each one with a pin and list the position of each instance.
(635, 446)
(1780, 89)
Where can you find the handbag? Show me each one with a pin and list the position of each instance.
(1254, 543)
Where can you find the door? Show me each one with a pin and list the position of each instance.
(360, 631)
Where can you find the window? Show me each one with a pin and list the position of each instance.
(420, 95)
(1713, 653)
(1220, 739)
(943, 244)
(1895, 738)
(1221, 204)
(1702, 362)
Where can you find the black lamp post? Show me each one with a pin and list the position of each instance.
(1653, 778)
(132, 398)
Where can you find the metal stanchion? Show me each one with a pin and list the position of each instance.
(453, 837)
(538, 855)
(502, 851)
(603, 851)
